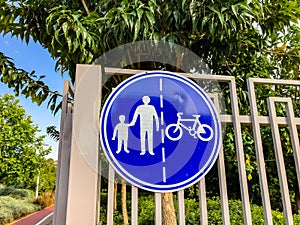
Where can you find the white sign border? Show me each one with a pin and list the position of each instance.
(132, 179)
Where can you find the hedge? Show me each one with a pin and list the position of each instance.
(15, 203)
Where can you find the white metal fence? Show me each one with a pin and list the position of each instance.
(79, 185)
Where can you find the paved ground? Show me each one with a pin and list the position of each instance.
(35, 217)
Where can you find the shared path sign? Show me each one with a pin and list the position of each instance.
(160, 131)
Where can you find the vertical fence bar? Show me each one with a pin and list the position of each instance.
(222, 172)
(158, 210)
(181, 208)
(98, 206)
(202, 202)
(62, 179)
(61, 205)
(223, 188)
(240, 153)
(294, 137)
(280, 162)
(134, 205)
(264, 189)
(110, 195)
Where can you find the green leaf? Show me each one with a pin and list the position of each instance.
(125, 17)
(150, 17)
(235, 10)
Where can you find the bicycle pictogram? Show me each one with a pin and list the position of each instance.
(175, 131)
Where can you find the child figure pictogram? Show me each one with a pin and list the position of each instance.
(121, 130)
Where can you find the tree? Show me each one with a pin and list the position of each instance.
(76, 32)
(236, 37)
(47, 175)
(21, 149)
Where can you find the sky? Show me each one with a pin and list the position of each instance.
(34, 57)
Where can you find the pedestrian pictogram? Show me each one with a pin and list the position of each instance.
(160, 131)
(147, 114)
(122, 130)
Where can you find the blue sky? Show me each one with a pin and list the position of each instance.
(34, 57)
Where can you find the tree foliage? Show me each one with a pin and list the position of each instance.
(21, 149)
(25, 83)
(53, 133)
(47, 176)
(225, 34)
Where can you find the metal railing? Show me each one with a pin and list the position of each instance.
(255, 120)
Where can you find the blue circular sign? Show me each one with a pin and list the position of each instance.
(160, 131)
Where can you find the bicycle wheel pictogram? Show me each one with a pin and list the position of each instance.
(174, 132)
(207, 135)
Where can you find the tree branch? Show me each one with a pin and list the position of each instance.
(281, 53)
(85, 7)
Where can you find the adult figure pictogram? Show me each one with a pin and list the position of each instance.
(147, 114)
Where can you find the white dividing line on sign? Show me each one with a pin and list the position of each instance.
(162, 136)
(161, 101)
(163, 154)
(162, 118)
(160, 84)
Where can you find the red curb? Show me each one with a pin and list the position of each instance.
(35, 217)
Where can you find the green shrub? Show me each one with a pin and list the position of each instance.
(146, 210)
(235, 211)
(6, 216)
(118, 217)
(18, 207)
(296, 218)
(192, 211)
(15, 203)
(17, 193)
